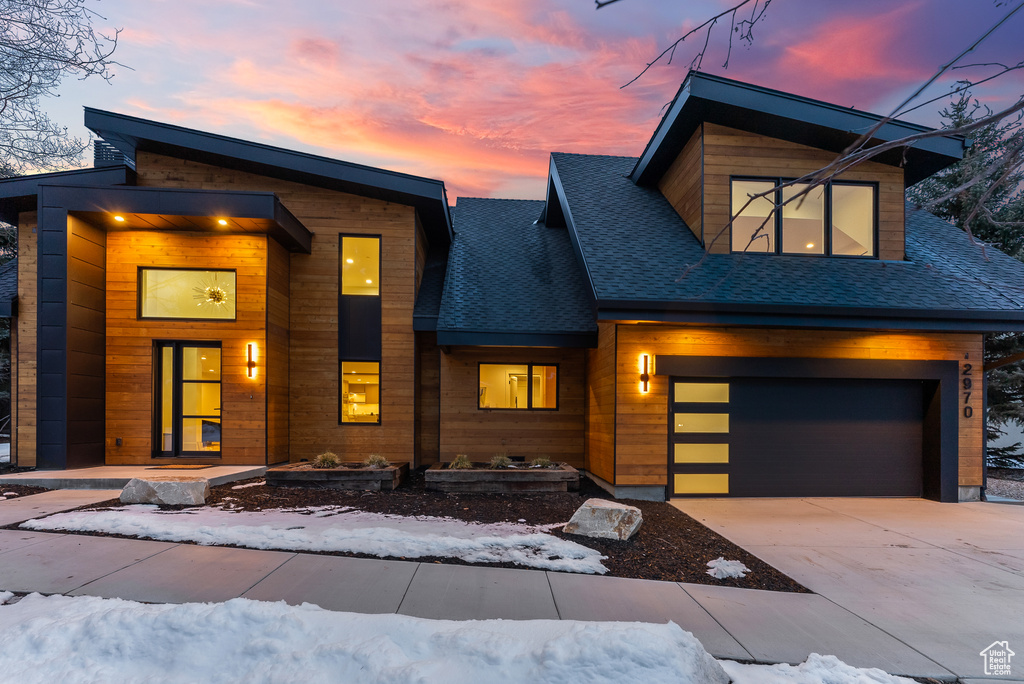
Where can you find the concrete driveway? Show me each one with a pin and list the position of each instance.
(945, 579)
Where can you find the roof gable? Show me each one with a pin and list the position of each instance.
(703, 97)
(130, 134)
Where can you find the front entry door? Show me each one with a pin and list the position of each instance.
(187, 399)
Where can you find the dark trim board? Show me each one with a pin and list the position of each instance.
(940, 458)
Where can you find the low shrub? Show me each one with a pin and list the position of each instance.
(376, 461)
(328, 459)
(461, 462)
(500, 461)
(541, 462)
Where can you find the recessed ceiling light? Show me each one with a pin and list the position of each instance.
(349, 261)
(119, 219)
(369, 282)
(222, 222)
(810, 245)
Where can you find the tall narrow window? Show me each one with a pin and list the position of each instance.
(188, 399)
(853, 219)
(803, 219)
(752, 229)
(359, 329)
(517, 386)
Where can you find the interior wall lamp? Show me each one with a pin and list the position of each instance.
(250, 363)
(646, 371)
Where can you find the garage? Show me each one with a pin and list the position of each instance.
(797, 436)
(810, 427)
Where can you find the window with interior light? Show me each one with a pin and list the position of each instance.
(187, 399)
(360, 346)
(186, 293)
(360, 392)
(838, 218)
(525, 386)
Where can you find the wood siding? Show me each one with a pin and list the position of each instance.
(682, 183)
(727, 152)
(600, 404)
(642, 420)
(25, 362)
(428, 412)
(313, 311)
(465, 429)
(130, 373)
(276, 362)
(86, 326)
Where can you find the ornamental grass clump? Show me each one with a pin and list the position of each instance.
(328, 459)
(376, 461)
(500, 461)
(461, 462)
(541, 462)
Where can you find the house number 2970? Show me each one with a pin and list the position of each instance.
(967, 382)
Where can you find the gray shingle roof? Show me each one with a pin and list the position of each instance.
(509, 274)
(8, 286)
(637, 248)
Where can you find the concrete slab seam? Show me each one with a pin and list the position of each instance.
(716, 620)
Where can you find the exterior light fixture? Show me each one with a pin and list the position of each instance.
(646, 370)
(119, 219)
(222, 222)
(250, 363)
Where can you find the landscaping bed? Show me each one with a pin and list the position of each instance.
(669, 546)
(20, 490)
(484, 480)
(345, 476)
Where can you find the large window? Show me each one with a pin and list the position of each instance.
(359, 329)
(517, 386)
(187, 399)
(186, 293)
(847, 209)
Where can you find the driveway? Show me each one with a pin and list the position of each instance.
(945, 579)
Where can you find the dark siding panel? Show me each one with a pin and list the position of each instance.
(359, 328)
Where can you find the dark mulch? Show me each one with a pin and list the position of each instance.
(1007, 474)
(21, 490)
(670, 545)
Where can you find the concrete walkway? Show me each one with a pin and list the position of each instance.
(116, 477)
(731, 623)
(947, 580)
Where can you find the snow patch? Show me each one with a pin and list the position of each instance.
(6, 596)
(81, 639)
(337, 528)
(721, 568)
(10, 494)
(251, 484)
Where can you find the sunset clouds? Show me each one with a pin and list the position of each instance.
(479, 93)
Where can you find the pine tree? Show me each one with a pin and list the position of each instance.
(997, 204)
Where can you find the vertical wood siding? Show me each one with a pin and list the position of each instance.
(428, 435)
(465, 429)
(23, 435)
(642, 420)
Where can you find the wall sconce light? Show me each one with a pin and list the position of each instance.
(646, 370)
(250, 363)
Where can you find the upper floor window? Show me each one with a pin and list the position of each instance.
(360, 265)
(186, 293)
(836, 219)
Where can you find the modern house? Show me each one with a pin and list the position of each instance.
(220, 301)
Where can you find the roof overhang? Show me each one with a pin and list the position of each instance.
(18, 194)
(788, 316)
(182, 210)
(454, 338)
(706, 98)
(130, 134)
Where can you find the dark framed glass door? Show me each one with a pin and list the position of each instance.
(187, 399)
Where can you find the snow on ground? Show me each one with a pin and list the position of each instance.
(721, 568)
(87, 639)
(336, 528)
(250, 484)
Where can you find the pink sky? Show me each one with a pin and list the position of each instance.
(479, 93)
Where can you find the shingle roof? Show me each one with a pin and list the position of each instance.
(8, 286)
(507, 273)
(637, 248)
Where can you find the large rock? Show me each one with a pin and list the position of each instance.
(172, 490)
(605, 520)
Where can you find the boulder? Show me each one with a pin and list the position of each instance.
(605, 520)
(171, 490)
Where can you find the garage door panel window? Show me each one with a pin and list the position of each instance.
(701, 393)
(700, 453)
(701, 483)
